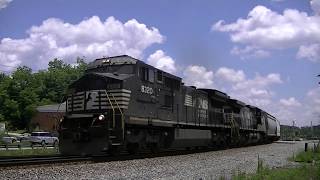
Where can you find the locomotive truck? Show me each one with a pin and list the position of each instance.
(122, 103)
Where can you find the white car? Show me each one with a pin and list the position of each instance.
(43, 138)
(9, 139)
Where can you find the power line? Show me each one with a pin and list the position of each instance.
(5, 72)
(7, 66)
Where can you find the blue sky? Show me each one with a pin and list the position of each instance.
(270, 58)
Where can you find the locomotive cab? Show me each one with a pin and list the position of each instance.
(96, 103)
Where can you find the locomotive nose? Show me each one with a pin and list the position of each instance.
(76, 137)
(81, 136)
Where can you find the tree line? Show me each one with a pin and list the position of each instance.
(23, 90)
(293, 132)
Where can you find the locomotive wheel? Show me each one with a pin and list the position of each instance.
(133, 148)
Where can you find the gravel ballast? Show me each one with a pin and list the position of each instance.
(207, 165)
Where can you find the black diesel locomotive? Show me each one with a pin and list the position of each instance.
(123, 103)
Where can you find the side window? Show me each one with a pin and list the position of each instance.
(172, 83)
(147, 74)
(159, 76)
(258, 115)
(144, 75)
(151, 75)
(168, 100)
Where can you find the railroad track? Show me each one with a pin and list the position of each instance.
(21, 161)
(123, 156)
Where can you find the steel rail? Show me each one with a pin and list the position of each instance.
(20, 161)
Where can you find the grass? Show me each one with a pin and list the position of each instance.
(28, 152)
(309, 169)
(306, 171)
(307, 157)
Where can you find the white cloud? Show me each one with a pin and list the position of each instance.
(267, 30)
(255, 91)
(230, 74)
(4, 3)
(290, 102)
(310, 52)
(315, 6)
(160, 60)
(313, 98)
(198, 76)
(91, 38)
(288, 110)
(259, 81)
(249, 52)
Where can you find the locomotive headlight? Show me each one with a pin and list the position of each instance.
(101, 117)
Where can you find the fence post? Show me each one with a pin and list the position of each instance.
(305, 147)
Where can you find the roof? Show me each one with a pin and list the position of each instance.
(123, 59)
(214, 92)
(52, 108)
(112, 75)
(236, 102)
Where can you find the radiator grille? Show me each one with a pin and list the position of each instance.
(98, 99)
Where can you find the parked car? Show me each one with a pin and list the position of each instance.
(9, 139)
(43, 138)
(24, 137)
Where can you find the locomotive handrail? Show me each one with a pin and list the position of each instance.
(122, 119)
(113, 112)
(117, 104)
(233, 124)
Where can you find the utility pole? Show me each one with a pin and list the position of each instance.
(293, 130)
(311, 131)
(319, 116)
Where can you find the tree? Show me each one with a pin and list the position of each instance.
(12, 113)
(24, 90)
